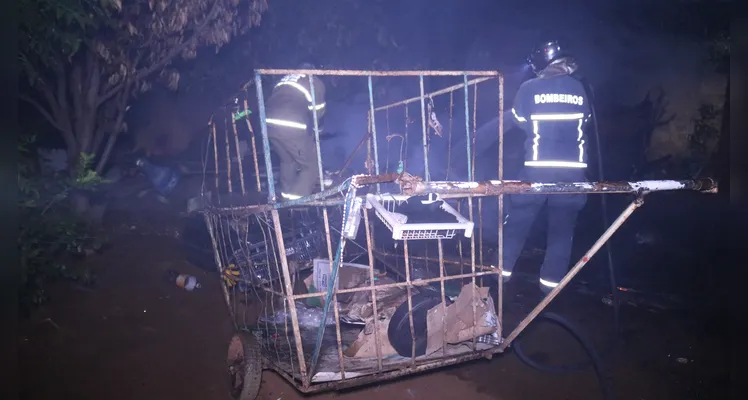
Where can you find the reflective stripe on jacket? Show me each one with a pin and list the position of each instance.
(553, 111)
(290, 105)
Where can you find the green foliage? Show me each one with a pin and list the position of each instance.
(52, 31)
(46, 238)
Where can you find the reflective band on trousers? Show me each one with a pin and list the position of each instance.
(548, 283)
(504, 273)
(319, 107)
(556, 164)
(283, 122)
(290, 196)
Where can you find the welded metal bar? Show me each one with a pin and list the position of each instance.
(353, 154)
(370, 249)
(472, 278)
(238, 155)
(425, 134)
(573, 272)
(409, 289)
(446, 261)
(493, 188)
(228, 154)
(373, 128)
(394, 371)
(217, 259)
(265, 140)
(467, 128)
(316, 133)
(289, 297)
(420, 282)
(444, 299)
(500, 199)
(332, 279)
(254, 145)
(346, 72)
(398, 370)
(336, 310)
(475, 126)
(460, 190)
(215, 151)
(432, 94)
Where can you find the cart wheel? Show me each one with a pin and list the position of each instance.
(244, 362)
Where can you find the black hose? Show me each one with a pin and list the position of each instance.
(595, 359)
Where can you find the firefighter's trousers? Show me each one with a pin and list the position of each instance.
(562, 216)
(299, 172)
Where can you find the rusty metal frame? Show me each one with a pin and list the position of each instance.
(409, 185)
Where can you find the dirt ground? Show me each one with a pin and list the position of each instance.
(135, 336)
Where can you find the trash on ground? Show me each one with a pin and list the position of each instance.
(458, 320)
(198, 203)
(184, 281)
(163, 179)
(308, 317)
(349, 276)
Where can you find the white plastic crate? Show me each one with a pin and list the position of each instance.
(385, 206)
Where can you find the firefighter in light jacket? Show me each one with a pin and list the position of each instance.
(291, 131)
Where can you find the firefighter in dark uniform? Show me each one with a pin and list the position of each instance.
(291, 131)
(553, 110)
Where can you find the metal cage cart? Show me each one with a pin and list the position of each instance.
(329, 302)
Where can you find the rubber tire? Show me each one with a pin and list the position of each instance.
(244, 346)
(398, 331)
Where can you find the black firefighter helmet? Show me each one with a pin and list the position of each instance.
(544, 54)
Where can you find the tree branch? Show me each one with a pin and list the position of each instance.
(145, 72)
(67, 134)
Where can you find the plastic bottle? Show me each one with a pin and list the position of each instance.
(184, 281)
(164, 179)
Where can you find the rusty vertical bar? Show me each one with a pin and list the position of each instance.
(500, 276)
(472, 278)
(472, 166)
(336, 309)
(480, 233)
(373, 128)
(426, 175)
(316, 134)
(290, 296)
(470, 203)
(228, 153)
(407, 122)
(238, 155)
(410, 303)
(573, 272)
(254, 146)
(215, 152)
(467, 130)
(475, 126)
(265, 140)
(370, 249)
(449, 140)
(459, 243)
(444, 299)
(217, 259)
